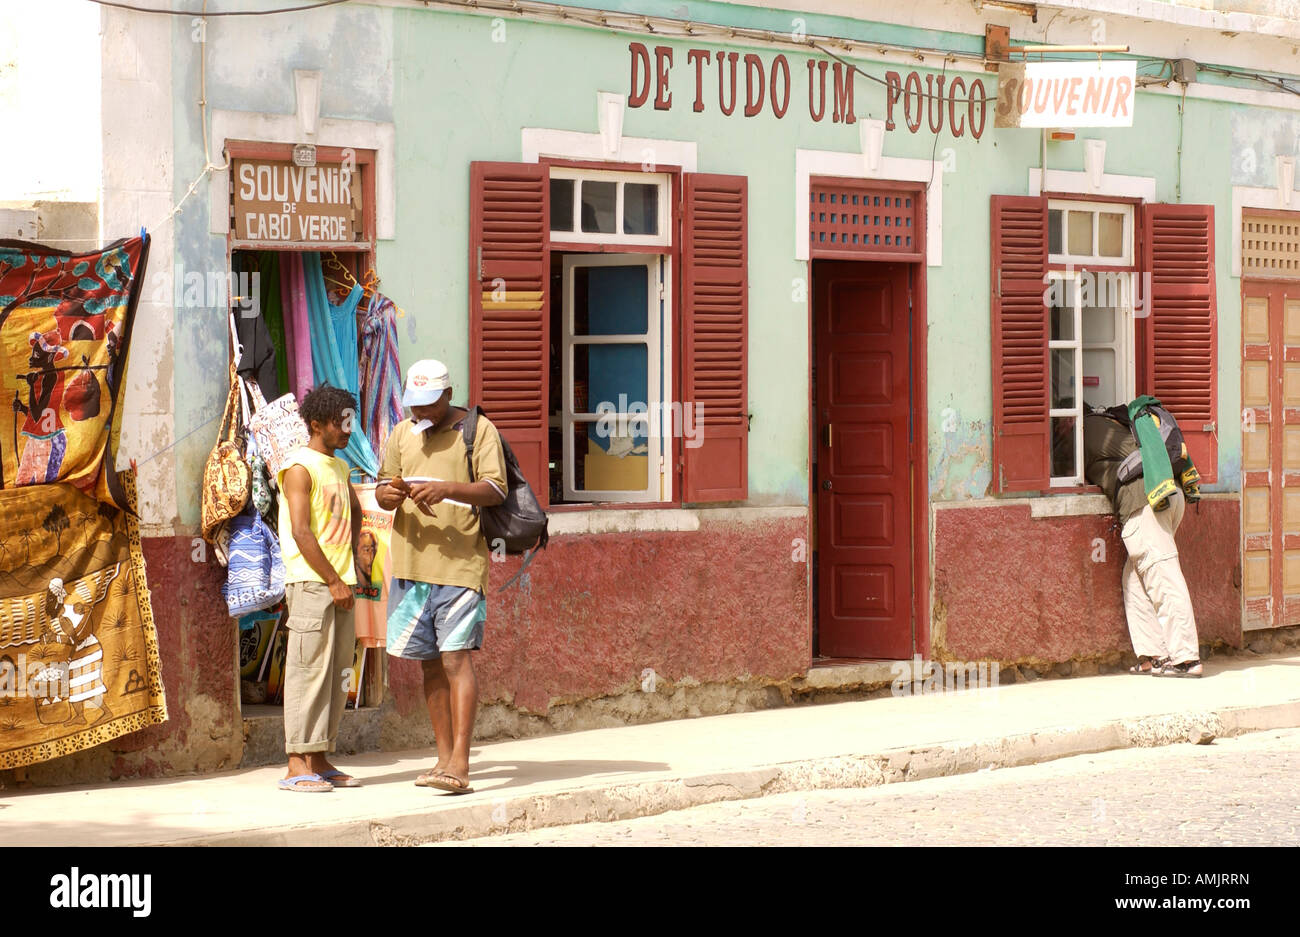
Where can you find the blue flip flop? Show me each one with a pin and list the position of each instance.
(291, 784)
(329, 777)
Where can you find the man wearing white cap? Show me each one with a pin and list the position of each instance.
(436, 605)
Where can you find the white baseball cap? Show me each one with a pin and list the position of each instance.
(425, 382)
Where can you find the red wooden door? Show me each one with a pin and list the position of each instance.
(863, 390)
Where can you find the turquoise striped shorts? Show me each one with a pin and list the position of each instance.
(426, 619)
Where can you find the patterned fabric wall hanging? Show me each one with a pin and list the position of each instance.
(79, 658)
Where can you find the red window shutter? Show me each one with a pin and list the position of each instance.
(1021, 427)
(509, 256)
(715, 288)
(1182, 357)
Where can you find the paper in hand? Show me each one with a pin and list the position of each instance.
(419, 480)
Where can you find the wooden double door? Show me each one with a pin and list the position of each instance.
(1270, 453)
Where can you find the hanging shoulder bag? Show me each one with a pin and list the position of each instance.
(255, 576)
(518, 524)
(227, 480)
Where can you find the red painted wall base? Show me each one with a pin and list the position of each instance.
(1008, 586)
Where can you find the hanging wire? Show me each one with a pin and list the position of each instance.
(139, 9)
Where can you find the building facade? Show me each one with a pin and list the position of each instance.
(793, 338)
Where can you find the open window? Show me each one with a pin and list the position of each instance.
(608, 440)
(610, 385)
(1072, 281)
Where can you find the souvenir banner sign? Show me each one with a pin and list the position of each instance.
(79, 658)
(374, 571)
(65, 320)
(1066, 94)
(78, 651)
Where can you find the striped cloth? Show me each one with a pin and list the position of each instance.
(381, 374)
(86, 671)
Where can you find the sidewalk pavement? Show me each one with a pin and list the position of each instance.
(642, 770)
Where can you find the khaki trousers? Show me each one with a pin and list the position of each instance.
(1156, 601)
(317, 664)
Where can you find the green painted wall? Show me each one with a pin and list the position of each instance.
(456, 95)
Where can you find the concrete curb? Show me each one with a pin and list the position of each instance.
(478, 818)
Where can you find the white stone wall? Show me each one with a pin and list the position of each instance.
(137, 191)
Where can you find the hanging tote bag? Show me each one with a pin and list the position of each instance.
(227, 481)
(278, 429)
(255, 575)
(262, 493)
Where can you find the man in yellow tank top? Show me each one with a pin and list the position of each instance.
(320, 522)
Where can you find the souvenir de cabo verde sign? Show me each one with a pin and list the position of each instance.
(275, 200)
(1066, 94)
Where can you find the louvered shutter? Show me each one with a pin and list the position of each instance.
(715, 287)
(1182, 355)
(1021, 426)
(509, 325)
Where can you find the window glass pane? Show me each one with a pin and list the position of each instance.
(1100, 388)
(1110, 234)
(1080, 234)
(1062, 309)
(561, 204)
(1099, 325)
(611, 300)
(1063, 447)
(1054, 230)
(598, 203)
(616, 377)
(640, 208)
(611, 455)
(1062, 378)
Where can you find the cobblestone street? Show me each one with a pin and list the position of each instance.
(1233, 792)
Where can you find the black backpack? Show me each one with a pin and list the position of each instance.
(518, 523)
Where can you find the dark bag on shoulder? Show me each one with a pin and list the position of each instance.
(518, 523)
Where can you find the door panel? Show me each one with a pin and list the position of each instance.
(1270, 454)
(863, 398)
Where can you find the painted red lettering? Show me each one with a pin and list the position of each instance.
(820, 86)
(663, 62)
(934, 103)
(779, 64)
(844, 94)
(983, 108)
(908, 95)
(640, 66)
(753, 64)
(730, 104)
(1072, 105)
(700, 57)
(893, 91)
(957, 130)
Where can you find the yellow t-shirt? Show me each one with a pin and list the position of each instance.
(331, 517)
(445, 549)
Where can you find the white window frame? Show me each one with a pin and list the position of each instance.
(1124, 344)
(1125, 259)
(577, 236)
(658, 377)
